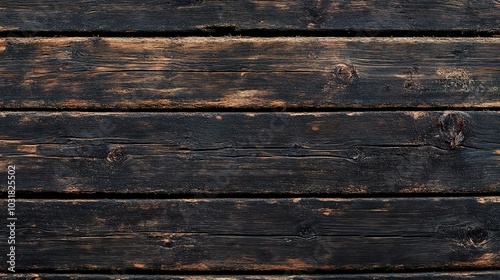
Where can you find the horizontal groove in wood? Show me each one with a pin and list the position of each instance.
(248, 73)
(180, 15)
(208, 154)
(266, 234)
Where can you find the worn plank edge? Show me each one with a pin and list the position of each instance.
(494, 274)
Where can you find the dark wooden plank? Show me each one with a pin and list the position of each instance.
(193, 73)
(253, 153)
(187, 15)
(486, 275)
(301, 235)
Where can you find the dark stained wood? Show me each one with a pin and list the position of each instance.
(253, 153)
(187, 15)
(298, 235)
(351, 152)
(193, 73)
(483, 275)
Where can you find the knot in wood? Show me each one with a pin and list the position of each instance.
(452, 128)
(116, 155)
(343, 74)
(355, 154)
(477, 236)
(306, 231)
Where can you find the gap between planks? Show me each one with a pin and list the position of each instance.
(279, 275)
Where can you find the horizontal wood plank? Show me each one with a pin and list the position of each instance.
(253, 153)
(301, 235)
(189, 15)
(483, 275)
(256, 73)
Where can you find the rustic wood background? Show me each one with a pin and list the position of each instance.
(311, 139)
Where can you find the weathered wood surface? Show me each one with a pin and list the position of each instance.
(250, 192)
(189, 15)
(253, 153)
(300, 235)
(483, 275)
(193, 73)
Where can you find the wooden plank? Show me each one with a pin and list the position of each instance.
(253, 153)
(180, 15)
(483, 275)
(301, 235)
(194, 73)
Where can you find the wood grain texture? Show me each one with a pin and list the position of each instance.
(188, 15)
(253, 153)
(483, 275)
(255, 73)
(207, 176)
(297, 235)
